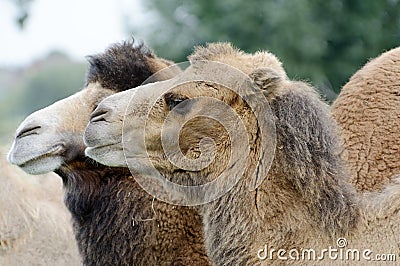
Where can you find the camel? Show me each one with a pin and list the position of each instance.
(367, 111)
(34, 223)
(115, 222)
(304, 201)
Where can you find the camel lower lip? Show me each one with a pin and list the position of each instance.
(101, 146)
(54, 150)
(89, 150)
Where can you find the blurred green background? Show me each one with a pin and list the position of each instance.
(323, 42)
(30, 88)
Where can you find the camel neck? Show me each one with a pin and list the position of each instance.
(117, 223)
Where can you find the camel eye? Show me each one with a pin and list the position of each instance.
(173, 101)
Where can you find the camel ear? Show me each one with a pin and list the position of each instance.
(268, 80)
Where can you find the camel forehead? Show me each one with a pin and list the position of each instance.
(201, 88)
(153, 92)
(203, 78)
(226, 53)
(209, 78)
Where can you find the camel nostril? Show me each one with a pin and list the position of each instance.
(28, 131)
(98, 115)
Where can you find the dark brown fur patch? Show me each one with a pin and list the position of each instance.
(117, 223)
(121, 67)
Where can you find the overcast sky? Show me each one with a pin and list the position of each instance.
(78, 27)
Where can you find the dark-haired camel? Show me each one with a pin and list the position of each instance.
(115, 221)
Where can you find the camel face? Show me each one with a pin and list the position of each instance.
(129, 116)
(136, 117)
(52, 137)
(45, 139)
(186, 129)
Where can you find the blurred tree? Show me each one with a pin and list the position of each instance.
(48, 81)
(36, 86)
(321, 41)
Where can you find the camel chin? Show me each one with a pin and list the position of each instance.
(111, 155)
(106, 147)
(42, 165)
(36, 159)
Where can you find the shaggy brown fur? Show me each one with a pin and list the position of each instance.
(35, 226)
(305, 200)
(368, 113)
(115, 221)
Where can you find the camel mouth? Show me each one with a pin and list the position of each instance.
(111, 154)
(55, 151)
(100, 149)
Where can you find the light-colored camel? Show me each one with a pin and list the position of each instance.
(305, 201)
(367, 111)
(115, 221)
(35, 226)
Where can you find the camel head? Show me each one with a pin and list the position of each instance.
(194, 126)
(52, 137)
